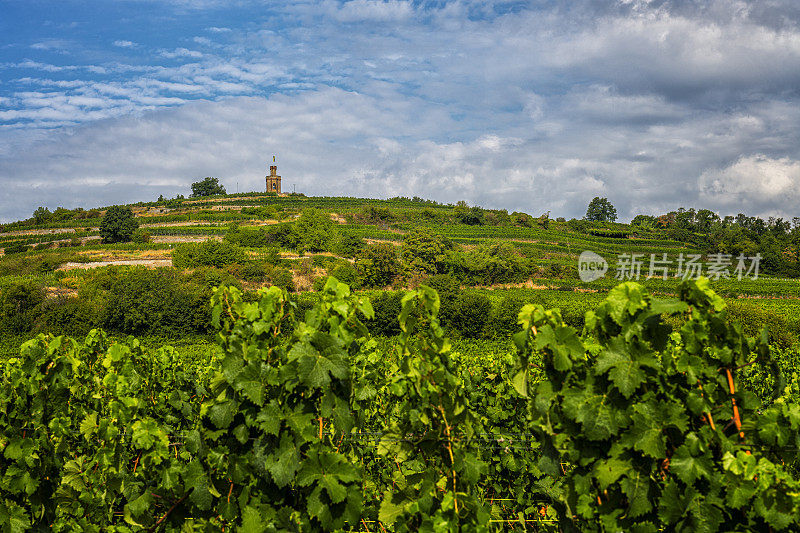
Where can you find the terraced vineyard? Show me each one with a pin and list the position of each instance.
(295, 375)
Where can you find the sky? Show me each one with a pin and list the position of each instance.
(531, 106)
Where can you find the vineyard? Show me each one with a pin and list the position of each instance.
(309, 423)
(387, 365)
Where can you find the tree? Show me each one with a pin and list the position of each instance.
(315, 229)
(377, 265)
(422, 251)
(601, 210)
(41, 215)
(118, 224)
(207, 187)
(471, 216)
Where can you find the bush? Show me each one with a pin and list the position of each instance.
(422, 251)
(347, 273)
(754, 318)
(143, 301)
(470, 314)
(18, 306)
(377, 265)
(387, 306)
(315, 230)
(207, 253)
(15, 249)
(346, 245)
(448, 288)
(283, 278)
(140, 236)
(65, 316)
(252, 238)
(502, 322)
(117, 224)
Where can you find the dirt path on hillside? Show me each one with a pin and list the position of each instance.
(23, 232)
(150, 263)
(176, 239)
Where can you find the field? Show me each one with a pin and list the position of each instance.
(381, 404)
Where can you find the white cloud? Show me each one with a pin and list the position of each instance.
(371, 10)
(180, 53)
(754, 179)
(653, 104)
(125, 44)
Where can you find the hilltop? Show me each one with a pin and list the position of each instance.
(51, 261)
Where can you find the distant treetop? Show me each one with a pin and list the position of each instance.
(207, 187)
(601, 210)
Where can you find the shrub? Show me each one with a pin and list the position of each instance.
(314, 228)
(422, 251)
(65, 316)
(15, 249)
(346, 245)
(143, 301)
(387, 306)
(502, 321)
(377, 265)
(347, 273)
(470, 314)
(448, 288)
(118, 224)
(252, 238)
(140, 236)
(522, 219)
(18, 303)
(207, 253)
(282, 277)
(754, 318)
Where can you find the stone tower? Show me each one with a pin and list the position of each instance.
(273, 180)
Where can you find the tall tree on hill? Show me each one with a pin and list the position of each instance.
(207, 187)
(601, 210)
(118, 224)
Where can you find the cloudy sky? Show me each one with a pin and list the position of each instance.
(535, 106)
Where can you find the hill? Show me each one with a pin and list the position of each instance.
(57, 275)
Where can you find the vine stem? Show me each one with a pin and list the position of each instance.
(174, 505)
(736, 419)
(708, 413)
(452, 461)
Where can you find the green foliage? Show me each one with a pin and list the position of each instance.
(18, 303)
(41, 215)
(601, 210)
(438, 472)
(639, 414)
(260, 426)
(144, 301)
(470, 314)
(471, 216)
(314, 228)
(387, 306)
(15, 249)
(118, 224)
(377, 265)
(207, 253)
(422, 252)
(208, 187)
(754, 318)
(140, 236)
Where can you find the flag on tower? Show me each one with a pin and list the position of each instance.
(273, 158)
